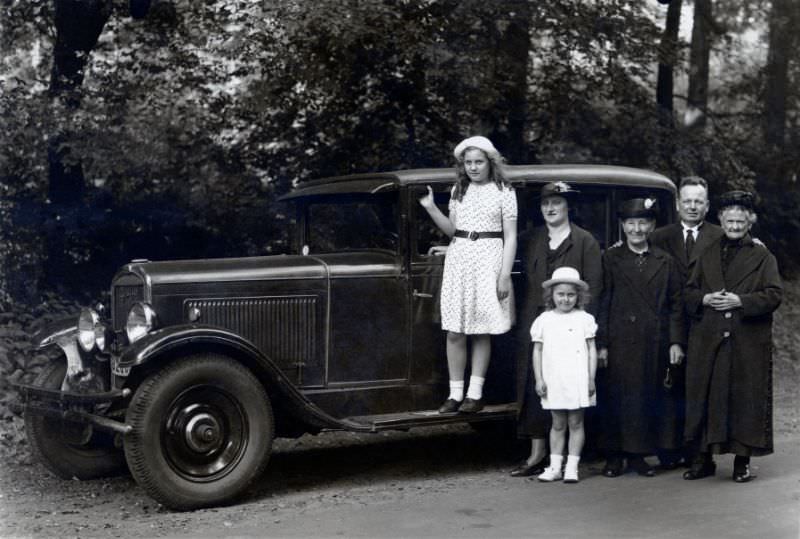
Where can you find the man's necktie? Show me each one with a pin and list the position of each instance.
(689, 243)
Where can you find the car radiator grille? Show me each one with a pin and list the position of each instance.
(284, 328)
(124, 296)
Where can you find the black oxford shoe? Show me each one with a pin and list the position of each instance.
(613, 467)
(640, 466)
(471, 406)
(743, 475)
(450, 406)
(700, 470)
(526, 470)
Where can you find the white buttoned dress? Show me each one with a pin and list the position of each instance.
(565, 357)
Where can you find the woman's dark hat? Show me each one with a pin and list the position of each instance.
(638, 207)
(561, 189)
(744, 199)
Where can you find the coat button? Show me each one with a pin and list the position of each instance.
(632, 318)
(727, 315)
(726, 334)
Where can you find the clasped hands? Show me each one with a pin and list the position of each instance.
(722, 300)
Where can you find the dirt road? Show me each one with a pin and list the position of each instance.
(439, 482)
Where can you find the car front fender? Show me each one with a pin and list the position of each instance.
(166, 344)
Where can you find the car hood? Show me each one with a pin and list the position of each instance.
(262, 268)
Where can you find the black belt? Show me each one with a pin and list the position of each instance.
(477, 235)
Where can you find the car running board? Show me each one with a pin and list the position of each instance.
(424, 418)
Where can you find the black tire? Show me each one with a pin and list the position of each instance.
(202, 432)
(96, 458)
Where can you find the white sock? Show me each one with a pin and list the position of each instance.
(456, 390)
(475, 390)
(572, 462)
(555, 461)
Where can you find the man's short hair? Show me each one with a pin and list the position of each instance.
(693, 180)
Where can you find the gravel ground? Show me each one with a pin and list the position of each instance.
(318, 474)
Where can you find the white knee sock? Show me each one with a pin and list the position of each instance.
(572, 462)
(475, 390)
(456, 390)
(555, 461)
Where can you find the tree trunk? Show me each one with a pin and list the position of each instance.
(511, 74)
(78, 26)
(702, 36)
(777, 73)
(668, 56)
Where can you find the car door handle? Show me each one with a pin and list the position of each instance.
(418, 294)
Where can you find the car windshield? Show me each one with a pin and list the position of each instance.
(347, 222)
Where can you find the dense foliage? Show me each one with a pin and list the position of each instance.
(188, 121)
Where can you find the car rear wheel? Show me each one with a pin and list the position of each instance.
(202, 432)
(70, 450)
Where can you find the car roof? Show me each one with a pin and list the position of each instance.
(517, 174)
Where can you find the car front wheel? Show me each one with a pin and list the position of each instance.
(70, 450)
(202, 432)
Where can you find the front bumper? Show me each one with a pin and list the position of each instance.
(71, 405)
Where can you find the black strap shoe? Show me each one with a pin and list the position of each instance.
(526, 470)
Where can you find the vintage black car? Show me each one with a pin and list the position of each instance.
(197, 365)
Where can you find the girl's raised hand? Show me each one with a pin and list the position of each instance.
(427, 200)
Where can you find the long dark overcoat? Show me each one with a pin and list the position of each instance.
(639, 320)
(670, 239)
(580, 251)
(729, 363)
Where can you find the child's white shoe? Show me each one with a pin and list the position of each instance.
(571, 475)
(550, 474)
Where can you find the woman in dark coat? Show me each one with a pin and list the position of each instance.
(641, 334)
(732, 292)
(558, 243)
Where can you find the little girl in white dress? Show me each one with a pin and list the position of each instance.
(564, 364)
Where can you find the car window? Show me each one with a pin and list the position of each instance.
(428, 234)
(343, 223)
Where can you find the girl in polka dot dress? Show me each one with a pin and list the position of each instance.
(564, 364)
(476, 296)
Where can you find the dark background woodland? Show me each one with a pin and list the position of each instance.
(167, 128)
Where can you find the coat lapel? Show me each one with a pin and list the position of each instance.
(704, 239)
(712, 269)
(745, 263)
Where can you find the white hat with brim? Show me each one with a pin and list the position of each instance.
(482, 143)
(566, 274)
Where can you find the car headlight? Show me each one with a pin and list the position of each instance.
(91, 331)
(141, 320)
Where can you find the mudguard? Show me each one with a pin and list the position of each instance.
(161, 345)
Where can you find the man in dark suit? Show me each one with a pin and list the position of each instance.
(685, 241)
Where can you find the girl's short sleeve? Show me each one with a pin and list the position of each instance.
(589, 326)
(509, 203)
(537, 329)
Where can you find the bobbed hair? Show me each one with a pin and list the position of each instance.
(584, 296)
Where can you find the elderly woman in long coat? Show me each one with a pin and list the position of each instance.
(732, 292)
(642, 334)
